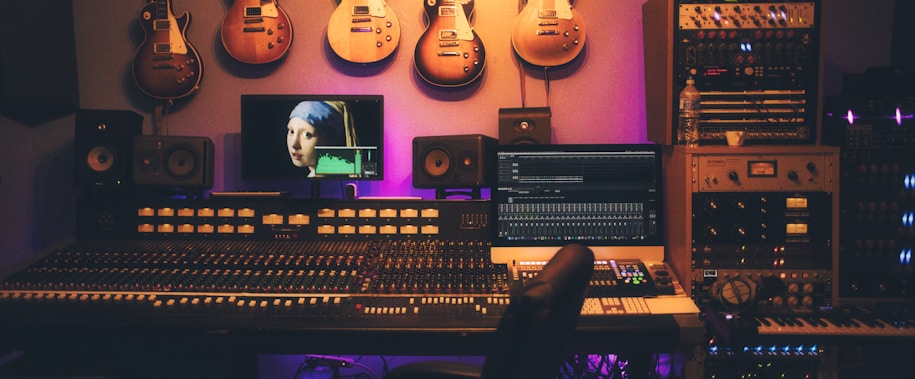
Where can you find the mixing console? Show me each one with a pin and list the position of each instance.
(310, 266)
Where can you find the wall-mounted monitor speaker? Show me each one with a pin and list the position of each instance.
(103, 147)
(171, 161)
(524, 126)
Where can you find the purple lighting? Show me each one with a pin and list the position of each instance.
(898, 116)
(850, 117)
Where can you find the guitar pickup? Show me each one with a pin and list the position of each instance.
(547, 13)
(447, 35)
(162, 48)
(252, 11)
(268, 10)
(361, 10)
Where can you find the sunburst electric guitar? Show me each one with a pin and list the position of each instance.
(363, 31)
(256, 31)
(548, 33)
(166, 66)
(449, 53)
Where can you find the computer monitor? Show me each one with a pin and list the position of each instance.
(605, 196)
(312, 137)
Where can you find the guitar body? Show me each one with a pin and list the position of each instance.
(256, 31)
(548, 33)
(449, 53)
(166, 66)
(363, 31)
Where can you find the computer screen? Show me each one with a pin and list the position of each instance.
(295, 137)
(606, 196)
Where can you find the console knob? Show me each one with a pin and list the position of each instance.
(792, 175)
(733, 175)
(812, 167)
(808, 288)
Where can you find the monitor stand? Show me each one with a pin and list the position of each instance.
(442, 193)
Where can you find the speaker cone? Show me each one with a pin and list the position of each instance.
(181, 163)
(100, 158)
(437, 162)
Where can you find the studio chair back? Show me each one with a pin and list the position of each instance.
(534, 333)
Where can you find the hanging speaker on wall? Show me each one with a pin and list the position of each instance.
(171, 161)
(524, 126)
(103, 146)
(448, 162)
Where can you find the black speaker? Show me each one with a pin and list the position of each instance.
(452, 161)
(171, 161)
(524, 126)
(103, 147)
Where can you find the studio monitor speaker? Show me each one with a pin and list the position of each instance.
(524, 126)
(458, 161)
(171, 161)
(103, 147)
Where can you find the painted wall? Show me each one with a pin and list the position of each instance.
(599, 98)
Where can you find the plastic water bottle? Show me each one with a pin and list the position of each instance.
(688, 128)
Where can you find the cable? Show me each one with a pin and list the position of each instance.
(160, 119)
(546, 82)
(521, 5)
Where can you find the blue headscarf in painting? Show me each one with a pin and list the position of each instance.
(328, 120)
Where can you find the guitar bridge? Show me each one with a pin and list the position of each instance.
(547, 32)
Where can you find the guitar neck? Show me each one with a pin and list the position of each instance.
(164, 16)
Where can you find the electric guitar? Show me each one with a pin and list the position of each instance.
(166, 66)
(548, 33)
(256, 31)
(449, 53)
(363, 31)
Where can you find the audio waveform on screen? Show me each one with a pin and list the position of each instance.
(337, 164)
